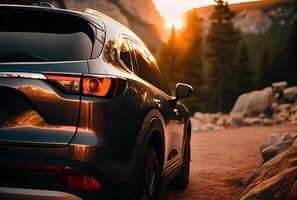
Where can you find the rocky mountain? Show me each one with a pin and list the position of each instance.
(265, 25)
(140, 16)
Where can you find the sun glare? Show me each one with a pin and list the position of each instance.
(177, 23)
(173, 10)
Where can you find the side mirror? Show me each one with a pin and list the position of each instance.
(183, 91)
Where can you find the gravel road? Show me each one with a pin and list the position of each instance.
(222, 161)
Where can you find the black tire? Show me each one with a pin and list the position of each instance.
(180, 182)
(150, 177)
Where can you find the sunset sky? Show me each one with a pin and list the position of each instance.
(173, 10)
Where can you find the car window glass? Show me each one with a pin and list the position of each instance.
(125, 54)
(98, 43)
(163, 82)
(35, 36)
(144, 69)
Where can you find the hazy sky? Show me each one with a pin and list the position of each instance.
(173, 10)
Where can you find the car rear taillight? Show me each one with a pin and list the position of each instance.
(65, 83)
(101, 86)
(71, 177)
(80, 182)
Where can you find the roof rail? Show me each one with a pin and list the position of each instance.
(46, 4)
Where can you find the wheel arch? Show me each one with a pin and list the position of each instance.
(152, 134)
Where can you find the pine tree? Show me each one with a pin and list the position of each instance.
(244, 73)
(180, 58)
(190, 61)
(265, 74)
(167, 59)
(223, 41)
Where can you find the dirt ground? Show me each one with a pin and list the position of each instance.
(222, 161)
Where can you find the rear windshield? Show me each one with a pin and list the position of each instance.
(35, 36)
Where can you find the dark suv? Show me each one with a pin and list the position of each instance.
(84, 110)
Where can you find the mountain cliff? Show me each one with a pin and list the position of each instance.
(265, 25)
(140, 16)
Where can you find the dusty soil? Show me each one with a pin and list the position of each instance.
(222, 161)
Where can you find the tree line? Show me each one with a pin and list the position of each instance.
(218, 65)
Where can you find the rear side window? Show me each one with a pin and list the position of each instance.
(125, 53)
(163, 82)
(35, 36)
(144, 69)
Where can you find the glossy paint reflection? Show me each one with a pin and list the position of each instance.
(31, 112)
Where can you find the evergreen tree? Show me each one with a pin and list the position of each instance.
(264, 75)
(190, 58)
(283, 65)
(244, 72)
(292, 57)
(180, 58)
(223, 41)
(167, 59)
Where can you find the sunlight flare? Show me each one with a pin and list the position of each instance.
(173, 10)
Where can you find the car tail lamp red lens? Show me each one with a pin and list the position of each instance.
(66, 83)
(72, 177)
(80, 182)
(97, 87)
(103, 86)
(89, 85)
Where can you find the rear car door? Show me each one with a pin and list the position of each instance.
(147, 70)
(39, 101)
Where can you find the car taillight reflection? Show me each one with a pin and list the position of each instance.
(71, 177)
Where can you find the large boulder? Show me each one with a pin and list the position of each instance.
(289, 95)
(271, 151)
(253, 103)
(274, 139)
(275, 179)
(279, 86)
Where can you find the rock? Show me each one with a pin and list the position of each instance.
(253, 103)
(275, 138)
(222, 121)
(276, 145)
(206, 127)
(273, 150)
(284, 106)
(286, 136)
(210, 117)
(253, 121)
(235, 119)
(279, 86)
(275, 179)
(293, 113)
(268, 121)
(195, 123)
(199, 115)
(290, 95)
(282, 113)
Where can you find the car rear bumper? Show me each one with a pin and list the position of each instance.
(33, 194)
